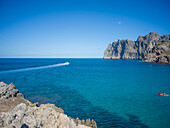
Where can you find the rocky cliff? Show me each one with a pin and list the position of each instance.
(17, 112)
(159, 54)
(139, 49)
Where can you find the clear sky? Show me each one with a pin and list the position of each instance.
(82, 28)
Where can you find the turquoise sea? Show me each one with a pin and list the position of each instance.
(115, 93)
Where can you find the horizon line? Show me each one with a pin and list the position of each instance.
(47, 57)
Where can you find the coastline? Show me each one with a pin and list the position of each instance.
(150, 48)
(16, 111)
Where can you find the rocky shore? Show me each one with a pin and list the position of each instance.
(17, 112)
(150, 48)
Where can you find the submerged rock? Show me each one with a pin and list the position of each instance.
(27, 115)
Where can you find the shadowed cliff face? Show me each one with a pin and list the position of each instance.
(159, 54)
(128, 49)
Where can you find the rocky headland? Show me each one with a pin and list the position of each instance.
(150, 48)
(17, 112)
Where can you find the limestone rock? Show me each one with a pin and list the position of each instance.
(44, 116)
(128, 49)
(159, 54)
(10, 97)
(27, 115)
(8, 91)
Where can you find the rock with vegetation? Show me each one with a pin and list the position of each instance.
(17, 112)
(139, 49)
(159, 54)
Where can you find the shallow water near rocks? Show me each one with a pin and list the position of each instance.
(115, 93)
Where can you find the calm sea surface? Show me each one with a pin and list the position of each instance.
(115, 93)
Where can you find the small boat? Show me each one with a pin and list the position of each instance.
(163, 94)
(66, 63)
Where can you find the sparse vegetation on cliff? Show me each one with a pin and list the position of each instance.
(150, 48)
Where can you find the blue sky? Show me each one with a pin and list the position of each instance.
(82, 28)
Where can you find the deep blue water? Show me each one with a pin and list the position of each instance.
(115, 93)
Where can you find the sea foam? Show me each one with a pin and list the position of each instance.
(35, 68)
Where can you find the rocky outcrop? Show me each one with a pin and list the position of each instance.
(11, 97)
(122, 49)
(8, 91)
(159, 54)
(128, 49)
(26, 114)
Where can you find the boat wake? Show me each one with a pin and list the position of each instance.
(35, 68)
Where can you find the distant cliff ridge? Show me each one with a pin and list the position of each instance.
(141, 48)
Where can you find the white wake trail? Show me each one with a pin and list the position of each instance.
(35, 68)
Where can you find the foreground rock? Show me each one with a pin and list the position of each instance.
(18, 112)
(139, 49)
(11, 97)
(8, 91)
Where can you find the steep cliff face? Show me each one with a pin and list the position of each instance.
(159, 54)
(128, 49)
(122, 49)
